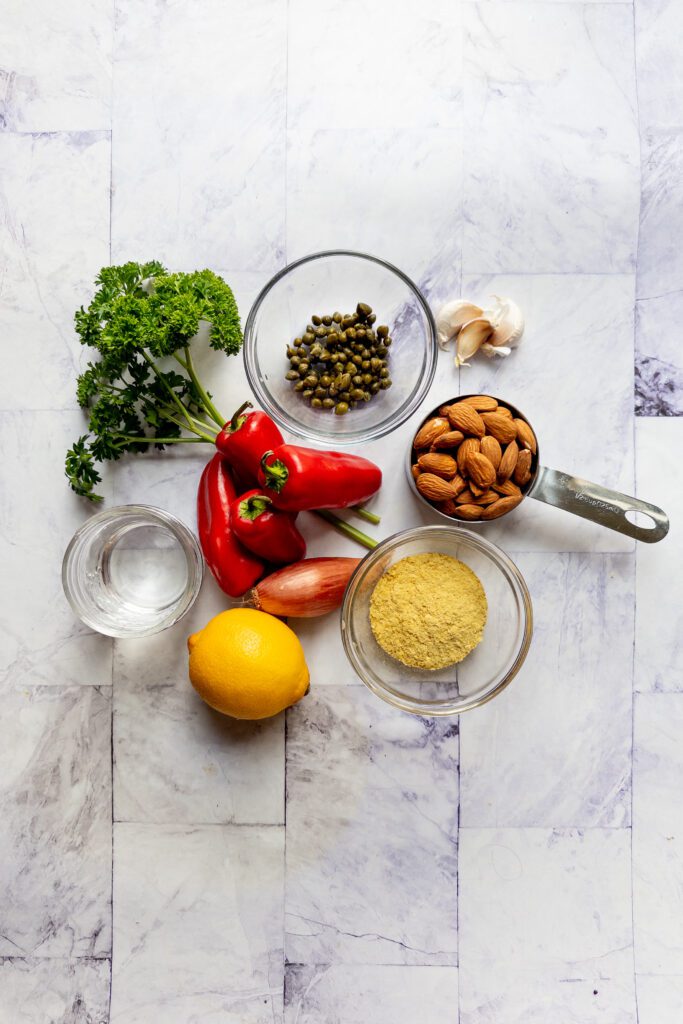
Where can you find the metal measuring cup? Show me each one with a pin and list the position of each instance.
(572, 493)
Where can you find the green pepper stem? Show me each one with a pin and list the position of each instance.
(237, 418)
(363, 513)
(276, 474)
(343, 527)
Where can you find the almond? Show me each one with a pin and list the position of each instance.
(449, 507)
(464, 417)
(451, 439)
(508, 462)
(492, 450)
(469, 511)
(500, 507)
(476, 489)
(504, 411)
(458, 485)
(502, 427)
(415, 470)
(507, 489)
(467, 498)
(522, 473)
(468, 446)
(525, 435)
(429, 431)
(433, 488)
(480, 470)
(482, 403)
(436, 462)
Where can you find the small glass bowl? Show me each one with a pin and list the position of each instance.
(323, 283)
(132, 570)
(483, 673)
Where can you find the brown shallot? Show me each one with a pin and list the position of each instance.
(314, 586)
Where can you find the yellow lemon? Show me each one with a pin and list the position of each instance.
(247, 664)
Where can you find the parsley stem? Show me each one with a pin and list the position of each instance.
(346, 528)
(170, 390)
(163, 440)
(210, 407)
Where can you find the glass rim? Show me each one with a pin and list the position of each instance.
(161, 517)
(443, 707)
(395, 418)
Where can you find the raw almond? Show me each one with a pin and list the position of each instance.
(415, 470)
(469, 511)
(430, 430)
(433, 488)
(476, 489)
(525, 435)
(482, 403)
(522, 473)
(500, 507)
(437, 462)
(481, 472)
(467, 498)
(504, 411)
(502, 427)
(451, 439)
(507, 489)
(467, 448)
(508, 461)
(458, 485)
(464, 417)
(449, 507)
(492, 450)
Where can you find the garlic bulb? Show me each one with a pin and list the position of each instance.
(452, 317)
(496, 331)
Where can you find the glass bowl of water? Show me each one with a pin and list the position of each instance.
(321, 284)
(132, 570)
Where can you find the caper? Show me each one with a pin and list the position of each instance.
(341, 408)
(327, 320)
(357, 380)
(384, 373)
(292, 375)
(316, 403)
(320, 392)
(325, 356)
(384, 384)
(337, 317)
(356, 359)
(299, 386)
(328, 403)
(358, 395)
(341, 337)
(350, 367)
(325, 380)
(344, 382)
(387, 342)
(338, 367)
(365, 353)
(382, 331)
(360, 333)
(367, 378)
(332, 390)
(315, 350)
(372, 318)
(316, 320)
(308, 338)
(345, 396)
(351, 333)
(294, 362)
(303, 366)
(347, 352)
(363, 310)
(374, 387)
(365, 365)
(311, 381)
(308, 393)
(381, 350)
(321, 332)
(375, 364)
(301, 351)
(290, 352)
(367, 395)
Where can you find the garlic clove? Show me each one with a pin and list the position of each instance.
(495, 350)
(508, 323)
(470, 339)
(452, 317)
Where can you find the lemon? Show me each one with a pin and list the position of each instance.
(247, 664)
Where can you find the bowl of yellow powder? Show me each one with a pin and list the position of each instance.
(436, 620)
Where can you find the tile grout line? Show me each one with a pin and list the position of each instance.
(113, 642)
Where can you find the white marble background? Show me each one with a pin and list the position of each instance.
(350, 865)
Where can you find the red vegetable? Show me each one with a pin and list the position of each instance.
(303, 478)
(309, 588)
(235, 568)
(266, 531)
(245, 438)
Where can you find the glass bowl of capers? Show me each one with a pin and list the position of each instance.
(340, 347)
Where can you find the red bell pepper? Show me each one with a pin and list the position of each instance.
(235, 568)
(245, 438)
(304, 478)
(268, 532)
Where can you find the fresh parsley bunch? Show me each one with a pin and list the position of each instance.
(144, 390)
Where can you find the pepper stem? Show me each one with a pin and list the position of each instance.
(276, 475)
(349, 531)
(237, 418)
(363, 513)
(252, 508)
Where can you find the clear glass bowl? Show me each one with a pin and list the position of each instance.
(484, 672)
(132, 570)
(323, 283)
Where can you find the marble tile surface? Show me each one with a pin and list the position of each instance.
(200, 133)
(344, 994)
(54, 237)
(42, 641)
(229, 771)
(569, 710)
(56, 66)
(658, 24)
(551, 153)
(198, 924)
(55, 805)
(578, 336)
(542, 911)
(55, 990)
(660, 998)
(368, 787)
(659, 596)
(657, 834)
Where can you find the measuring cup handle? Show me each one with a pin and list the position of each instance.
(600, 505)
